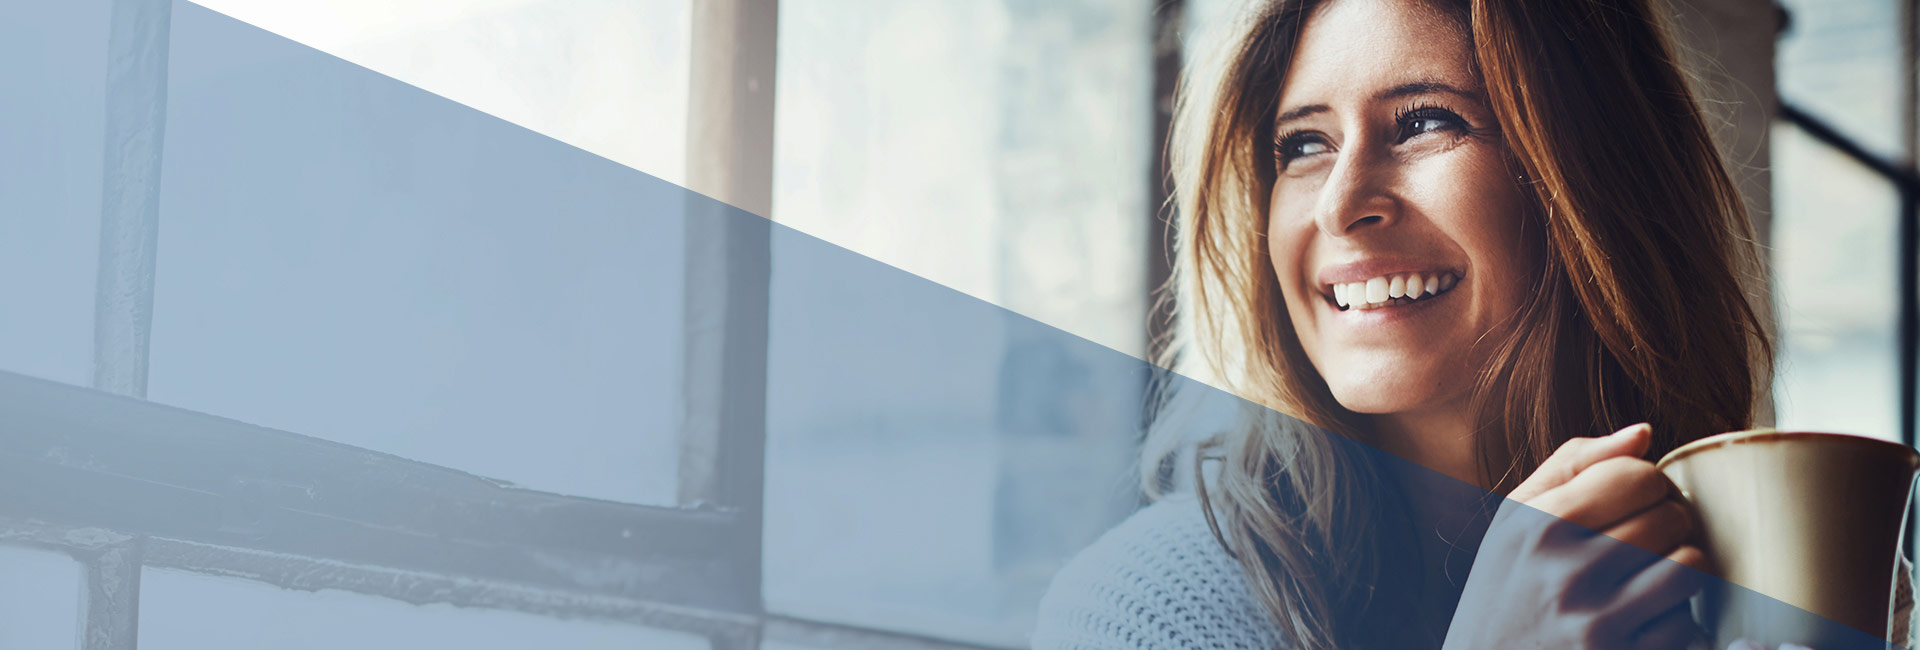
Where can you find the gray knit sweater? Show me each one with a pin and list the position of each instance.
(1158, 581)
(1161, 581)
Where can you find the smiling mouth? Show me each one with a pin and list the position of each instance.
(1392, 290)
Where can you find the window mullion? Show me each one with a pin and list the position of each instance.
(730, 162)
(729, 256)
(110, 609)
(130, 193)
(1908, 231)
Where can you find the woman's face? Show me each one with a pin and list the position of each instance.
(1396, 225)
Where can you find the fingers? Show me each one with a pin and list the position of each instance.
(1578, 454)
(1631, 546)
(1744, 644)
(1691, 557)
(1606, 493)
(1658, 530)
(1663, 585)
(1674, 629)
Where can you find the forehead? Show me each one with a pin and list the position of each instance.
(1356, 47)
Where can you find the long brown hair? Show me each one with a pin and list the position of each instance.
(1640, 312)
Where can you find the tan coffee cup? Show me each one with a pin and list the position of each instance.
(1813, 520)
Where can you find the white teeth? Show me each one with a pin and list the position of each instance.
(1382, 291)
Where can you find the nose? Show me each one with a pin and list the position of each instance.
(1357, 196)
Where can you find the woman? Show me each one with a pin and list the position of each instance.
(1489, 237)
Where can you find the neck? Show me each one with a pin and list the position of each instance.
(1444, 486)
(1439, 439)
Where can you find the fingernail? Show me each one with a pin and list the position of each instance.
(1630, 430)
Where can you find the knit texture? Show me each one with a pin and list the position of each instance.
(1158, 581)
(1161, 581)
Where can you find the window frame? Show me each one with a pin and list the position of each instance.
(1906, 185)
(305, 513)
(1904, 176)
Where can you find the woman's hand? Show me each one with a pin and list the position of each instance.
(1544, 579)
(1744, 644)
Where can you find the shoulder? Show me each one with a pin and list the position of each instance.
(1160, 580)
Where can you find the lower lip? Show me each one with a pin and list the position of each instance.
(1389, 314)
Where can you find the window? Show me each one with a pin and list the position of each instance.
(293, 338)
(1006, 160)
(1835, 260)
(50, 187)
(1843, 262)
(454, 304)
(606, 76)
(41, 600)
(335, 351)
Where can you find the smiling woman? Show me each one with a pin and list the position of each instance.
(1390, 168)
(1473, 234)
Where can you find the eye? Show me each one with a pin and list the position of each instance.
(1429, 119)
(1296, 145)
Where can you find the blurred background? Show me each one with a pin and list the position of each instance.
(1007, 149)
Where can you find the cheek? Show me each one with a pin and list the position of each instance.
(1286, 252)
(1492, 218)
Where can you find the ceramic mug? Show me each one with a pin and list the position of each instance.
(1813, 520)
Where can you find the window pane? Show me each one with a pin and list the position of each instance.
(1840, 60)
(1834, 268)
(52, 122)
(608, 76)
(39, 599)
(349, 257)
(186, 611)
(1202, 23)
(1008, 160)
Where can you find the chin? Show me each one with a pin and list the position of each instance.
(1372, 404)
(1388, 390)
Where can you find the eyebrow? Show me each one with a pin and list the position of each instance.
(1396, 92)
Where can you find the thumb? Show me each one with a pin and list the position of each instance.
(1578, 454)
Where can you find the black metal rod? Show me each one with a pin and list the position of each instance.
(1909, 319)
(1910, 132)
(1903, 178)
(1169, 19)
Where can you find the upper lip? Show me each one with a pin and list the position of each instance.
(1371, 268)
